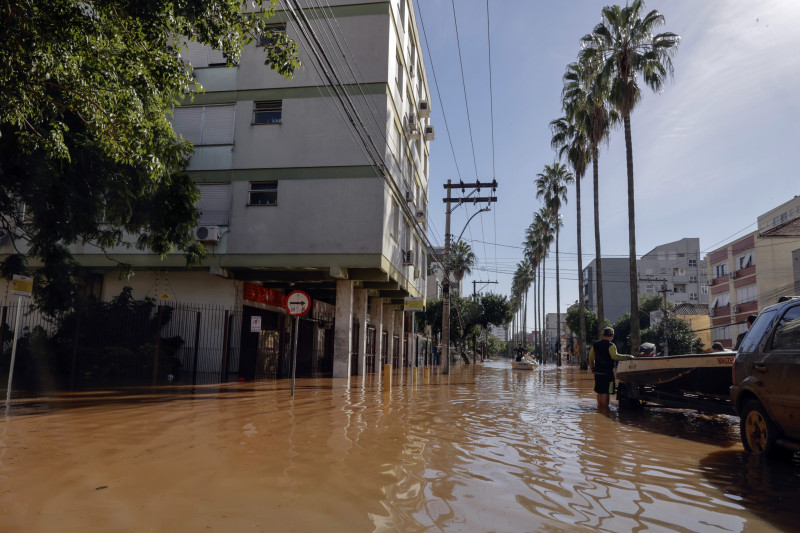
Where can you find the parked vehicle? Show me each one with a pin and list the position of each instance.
(766, 381)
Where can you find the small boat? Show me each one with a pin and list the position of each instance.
(525, 364)
(705, 374)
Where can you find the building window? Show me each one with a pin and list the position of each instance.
(747, 294)
(721, 300)
(692, 296)
(745, 260)
(214, 204)
(398, 79)
(692, 279)
(678, 271)
(703, 289)
(273, 35)
(204, 125)
(680, 288)
(722, 333)
(692, 262)
(267, 112)
(720, 269)
(264, 193)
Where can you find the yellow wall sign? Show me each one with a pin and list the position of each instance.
(21, 285)
(413, 304)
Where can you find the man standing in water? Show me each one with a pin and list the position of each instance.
(601, 361)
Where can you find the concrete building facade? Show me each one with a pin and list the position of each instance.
(291, 198)
(616, 287)
(676, 267)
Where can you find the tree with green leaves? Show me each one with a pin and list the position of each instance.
(681, 338)
(626, 48)
(551, 186)
(590, 318)
(87, 151)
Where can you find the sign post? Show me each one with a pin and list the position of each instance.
(413, 305)
(21, 286)
(298, 303)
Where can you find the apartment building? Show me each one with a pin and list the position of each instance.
(676, 268)
(732, 273)
(294, 197)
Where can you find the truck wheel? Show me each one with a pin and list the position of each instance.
(626, 403)
(757, 430)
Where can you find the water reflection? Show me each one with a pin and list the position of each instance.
(480, 449)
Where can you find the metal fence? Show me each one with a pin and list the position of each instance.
(123, 342)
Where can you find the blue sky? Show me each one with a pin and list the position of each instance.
(711, 152)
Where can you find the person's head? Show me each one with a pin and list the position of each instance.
(750, 320)
(717, 347)
(608, 333)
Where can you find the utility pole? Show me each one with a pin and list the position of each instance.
(446, 268)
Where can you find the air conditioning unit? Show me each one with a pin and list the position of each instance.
(207, 233)
(429, 133)
(734, 275)
(420, 215)
(424, 108)
(408, 258)
(409, 196)
(735, 308)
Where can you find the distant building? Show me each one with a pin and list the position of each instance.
(616, 287)
(677, 268)
(778, 252)
(696, 315)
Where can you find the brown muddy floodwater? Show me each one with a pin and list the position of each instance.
(483, 449)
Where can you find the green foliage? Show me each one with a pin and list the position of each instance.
(494, 346)
(681, 338)
(496, 310)
(573, 317)
(87, 153)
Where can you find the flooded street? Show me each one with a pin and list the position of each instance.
(483, 449)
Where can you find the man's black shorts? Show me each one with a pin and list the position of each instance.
(604, 384)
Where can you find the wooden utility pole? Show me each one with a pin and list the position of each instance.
(446, 267)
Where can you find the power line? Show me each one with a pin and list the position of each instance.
(464, 85)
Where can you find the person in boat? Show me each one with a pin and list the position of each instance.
(740, 338)
(717, 347)
(601, 361)
(520, 353)
(647, 349)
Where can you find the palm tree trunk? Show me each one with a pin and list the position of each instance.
(544, 306)
(525, 321)
(558, 302)
(581, 317)
(601, 319)
(635, 333)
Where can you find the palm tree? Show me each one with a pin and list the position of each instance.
(551, 185)
(523, 279)
(626, 48)
(462, 259)
(570, 141)
(540, 236)
(585, 101)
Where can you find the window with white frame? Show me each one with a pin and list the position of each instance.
(678, 271)
(263, 193)
(692, 262)
(703, 289)
(720, 269)
(745, 260)
(214, 204)
(199, 55)
(692, 296)
(692, 279)
(267, 112)
(746, 294)
(204, 125)
(721, 300)
(722, 333)
(649, 289)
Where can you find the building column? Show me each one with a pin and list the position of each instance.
(388, 324)
(360, 312)
(376, 319)
(343, 333)
(399, 326)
